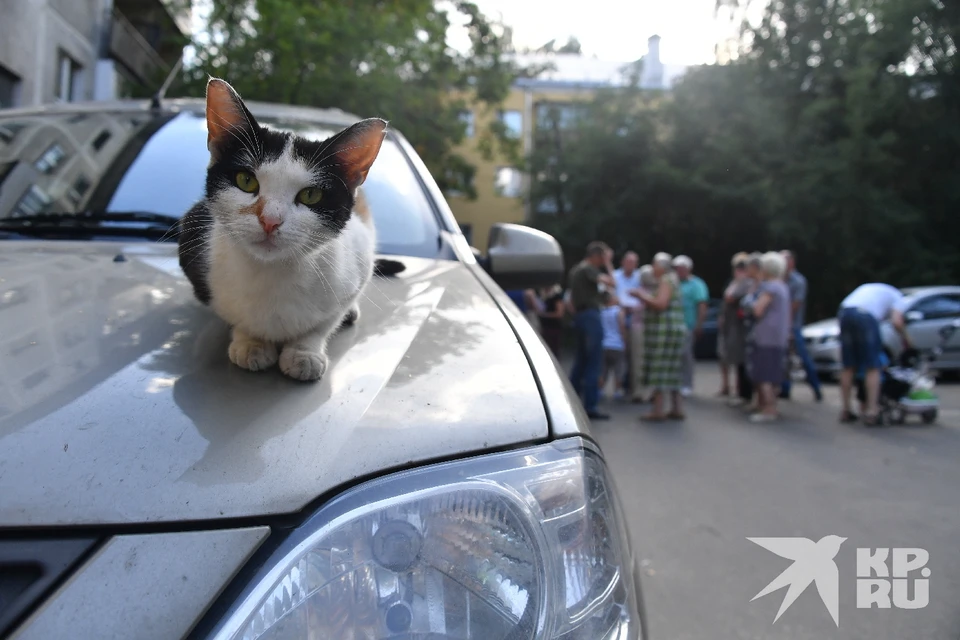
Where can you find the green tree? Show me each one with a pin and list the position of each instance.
(864, 91)
(834, 131)
(386, 58)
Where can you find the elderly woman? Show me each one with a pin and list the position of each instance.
(664, 332)
(770, 335)
(732, 334)
(648, 283)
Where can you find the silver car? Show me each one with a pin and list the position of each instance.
(926, 311)
(439, 482)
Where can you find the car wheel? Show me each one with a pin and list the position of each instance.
(897, 416)
(929, 416)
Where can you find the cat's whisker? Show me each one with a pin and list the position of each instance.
(358, 275)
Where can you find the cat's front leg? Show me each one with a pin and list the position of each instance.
(251, 353)
(306, 357)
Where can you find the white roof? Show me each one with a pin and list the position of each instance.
(573, 69)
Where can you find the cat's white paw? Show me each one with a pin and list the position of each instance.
(252, 354)
(301, 364)
(352, 315)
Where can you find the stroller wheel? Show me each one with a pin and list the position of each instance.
(929, 416)
(896, 415)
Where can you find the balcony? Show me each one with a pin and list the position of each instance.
(147, 36)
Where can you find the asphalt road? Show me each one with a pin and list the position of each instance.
(694, 491)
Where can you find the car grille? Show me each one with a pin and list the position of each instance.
(29, 569)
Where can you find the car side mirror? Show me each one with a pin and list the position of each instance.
(913, 316)
(520, 257)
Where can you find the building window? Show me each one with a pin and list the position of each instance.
(551, 114)
(68, 79)
(508, 182)
(52, 158)
(79, 189)
(513, 122)
(458, 183)
(466, 117)
(100, 140)
(9, 89)
(34, 201)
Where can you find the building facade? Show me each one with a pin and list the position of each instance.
(76, 50)
(574, 79)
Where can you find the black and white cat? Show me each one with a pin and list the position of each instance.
(282, 245)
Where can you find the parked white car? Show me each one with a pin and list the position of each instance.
(928, 309)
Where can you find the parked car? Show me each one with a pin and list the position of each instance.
(926, 311)
(440, 481)
(705, 348)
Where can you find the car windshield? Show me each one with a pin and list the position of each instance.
(149, 167)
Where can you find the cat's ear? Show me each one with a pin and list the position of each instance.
(227, 117)
(355, 149)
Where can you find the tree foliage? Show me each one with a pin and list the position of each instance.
(386, 58)
(835, 132)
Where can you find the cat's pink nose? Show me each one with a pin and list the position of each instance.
(269, 224)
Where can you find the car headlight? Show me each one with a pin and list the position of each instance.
(519, 545)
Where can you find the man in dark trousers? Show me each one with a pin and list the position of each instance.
(587, 282)
(861, 343)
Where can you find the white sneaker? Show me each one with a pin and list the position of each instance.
(686, 392)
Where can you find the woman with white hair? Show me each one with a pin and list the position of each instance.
(770, 335)
(648, 283)
(664, 332)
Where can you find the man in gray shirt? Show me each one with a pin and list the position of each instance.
(798, 300)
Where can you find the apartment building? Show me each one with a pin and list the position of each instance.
(555, 94)
(75, 50)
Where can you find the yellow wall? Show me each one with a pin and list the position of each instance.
(489, 207)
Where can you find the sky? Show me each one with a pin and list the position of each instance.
(616, 29)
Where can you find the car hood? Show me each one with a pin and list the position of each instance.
(827, 327)
(118, 403)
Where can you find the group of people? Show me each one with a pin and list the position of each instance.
(638, 326)
(760, 322)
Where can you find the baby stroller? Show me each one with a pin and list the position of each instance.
(908, 388)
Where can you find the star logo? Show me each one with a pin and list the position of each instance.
(812, 562)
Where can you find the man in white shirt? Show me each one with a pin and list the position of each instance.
(627, 278)
(861, 345)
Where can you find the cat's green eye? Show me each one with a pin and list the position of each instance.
(246, 181)
(309, 196)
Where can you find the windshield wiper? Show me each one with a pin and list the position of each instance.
(86, 224)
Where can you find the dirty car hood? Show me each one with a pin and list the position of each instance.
(118, 403)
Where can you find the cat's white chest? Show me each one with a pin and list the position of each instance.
(284, 300)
